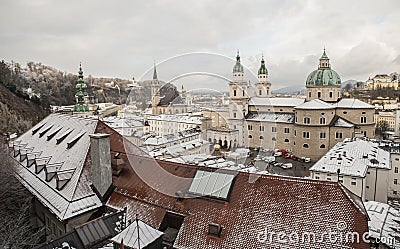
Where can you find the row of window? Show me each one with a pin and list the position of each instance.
(273, 129)
(319, 94)
(322, 120)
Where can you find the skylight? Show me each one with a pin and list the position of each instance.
(213, 184)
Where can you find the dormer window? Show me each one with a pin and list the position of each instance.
(215, 230)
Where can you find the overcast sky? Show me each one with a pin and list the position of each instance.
(124, 38)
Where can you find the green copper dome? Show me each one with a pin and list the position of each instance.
(238, 68)
(263, 69)
(324, 75)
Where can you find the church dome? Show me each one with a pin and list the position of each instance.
(238, 68)
(324, 75)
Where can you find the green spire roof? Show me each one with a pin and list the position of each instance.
(263, 69)
(324, 56)
(238, 68)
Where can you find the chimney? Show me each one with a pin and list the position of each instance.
(101, 163)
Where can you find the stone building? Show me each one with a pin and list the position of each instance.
(307, 127)
(383, 81)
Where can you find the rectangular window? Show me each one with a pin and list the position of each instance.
(322, 120)
(395, 181)
(306, 120)
(259, 92)
(339, 135)
(319, 95)
(273, 129)
(306, 134)
(309, 94)
(363, 120)
(396, 170)
(286, 130)
(322, 135)
(354, 183)
(261, 128)
(234, 114)
(234, 92)
(330, 94)
(250, 127)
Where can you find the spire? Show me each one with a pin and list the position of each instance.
(238, 68)
(324, 56)
(238, 57)
(263, 69)
(155, 72)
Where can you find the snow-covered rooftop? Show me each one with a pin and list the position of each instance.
(353, 158)
(353, 103)
(315, 104)
(278, 102)
(160, 140)
(271, 117)
(180, 118)
(342, 123)
(177, 149)
(384, 223)
(51, 158)
(134, 239)
(116, 122)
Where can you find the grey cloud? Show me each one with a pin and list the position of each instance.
(123, 38)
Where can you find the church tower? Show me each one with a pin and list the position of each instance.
(263, 86)
(155, 83)
(81, 96)
(238, 99)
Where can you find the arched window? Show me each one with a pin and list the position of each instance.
(305, 146)
(250, 136)
(286, 140)
(234, 92)
(273, 139)
(322, 146)
(261, 137)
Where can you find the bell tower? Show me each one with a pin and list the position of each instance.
(238, 99)
(263, 86)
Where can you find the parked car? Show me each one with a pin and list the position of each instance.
(305, 159)
(278, 153)
(287, 165)
(283, 151)
(289, 156)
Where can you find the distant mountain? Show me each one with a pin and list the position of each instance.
(351, 82)
(290, 90)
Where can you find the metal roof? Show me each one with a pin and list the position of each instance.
(55, 166)
(133, 239)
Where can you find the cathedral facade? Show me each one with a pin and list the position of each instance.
(306, 127)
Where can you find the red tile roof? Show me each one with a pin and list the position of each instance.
(275, 203)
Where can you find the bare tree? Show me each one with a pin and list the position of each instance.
(16, 230)
(381, 128)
